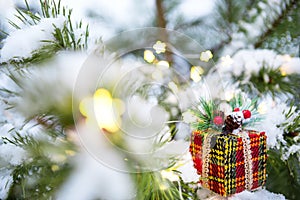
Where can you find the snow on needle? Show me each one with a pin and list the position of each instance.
(227, 61)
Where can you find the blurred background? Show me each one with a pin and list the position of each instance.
(96, 95)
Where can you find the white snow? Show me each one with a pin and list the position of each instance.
(34, 4)
(189, 173)
(173, 149)
(9, 153)
(183, 129)
(12, 154)
(292, 65)
(5, 7)
(6, 12)
(21, 43)
(93, 180)
(241, 40)
(56, 78)
(249, 62)
(295, 148)
(108, 17)
(5, 183)
(142, 122)
(100, 169)
(257, 195)
(273, 116)
(193, 9)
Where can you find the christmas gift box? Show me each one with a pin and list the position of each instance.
(230, 163)
(228, 157)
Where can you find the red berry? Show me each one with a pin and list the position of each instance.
(247, 114)
(236, 110)
(218, 120)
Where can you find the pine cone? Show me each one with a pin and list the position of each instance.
(232, 122)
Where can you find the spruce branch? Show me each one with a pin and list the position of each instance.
(268, 80)
(204, 111)
(64, 37)
(40, 176)
(281, 16)
(185, 25)
(280, 171)
(151, 185)
(244, 34)
(292, 124)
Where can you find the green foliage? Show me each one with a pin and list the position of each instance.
(269, 81)
(20, 141)
(152, 186)
(292, 124)
(283, 176)
(37, 178)
(284, 35)
(46, 168)
(40, 176)
(188, 190)
(231, 11)
(205, 111)
(239, 101)
(283, 164)
(64, 38)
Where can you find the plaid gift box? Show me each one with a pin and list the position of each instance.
(229, 164)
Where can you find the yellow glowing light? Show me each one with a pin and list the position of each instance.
(226, 60)
(159, 47)
(283, 70)
(58, 158)
(195, 73)
(229, 95)
(103, 94)
(54, 168)
(163, 64)
(149, 56)
(199, 69)
(163, 186)
(70, 152)
(206, 56)
(106, 115)
(262, 108)
(170, 175)
(103, 109)
(287, 58)
(84, 106)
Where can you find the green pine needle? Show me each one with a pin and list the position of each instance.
(269, 81)
(239, 101)
(64, 38)
(152, 186)
(204, 111)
